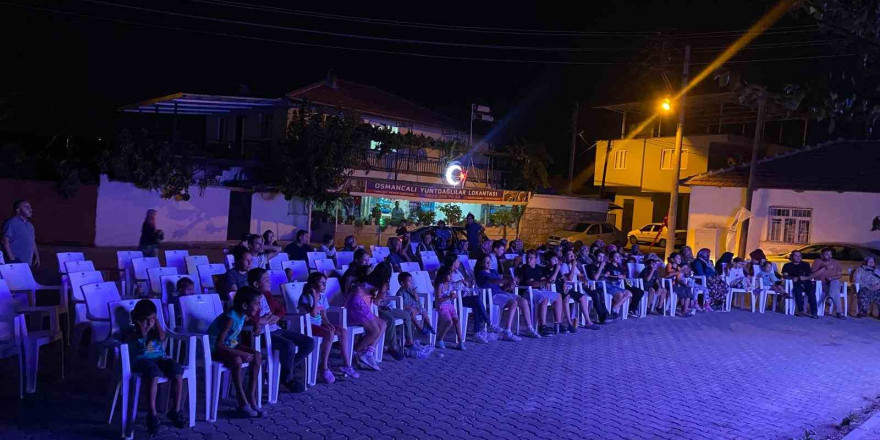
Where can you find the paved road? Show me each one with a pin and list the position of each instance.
(718, 376)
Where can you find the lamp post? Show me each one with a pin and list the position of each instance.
(672, 216)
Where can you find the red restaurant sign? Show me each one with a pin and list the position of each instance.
(412, 191)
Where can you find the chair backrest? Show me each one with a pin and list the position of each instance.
(2, 260)
(168, 284)
(423, 282)
(155, 274)
(325, 265)
(207, 272)
(634, 270)
(380, 253)
(277, 278)
(18, 277)
(120, 314)
(176, 259)
(333, 288)
(123, 258)
(344, 258)
(510, 256)
(230, 261)
(299, 268)
(199, 311)
(139, 267)
(193, 262)
(79, 279)
(79, 266)
(8, 324)
(275, 262)
(64, 257)
(292, 292)
(430, 262)
(97, 296)
(409, 267)
(394, 284)
(313, 256)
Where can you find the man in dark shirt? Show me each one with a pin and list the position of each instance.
(594, 273)
(236, 278)
(473, 230)
(800, 274)
(396, 254)
(300, 247)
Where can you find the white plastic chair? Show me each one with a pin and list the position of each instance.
(765, 292)
(2, 260)
(80, 315)
(379, 253)
(63, 258)
(325, 266)
(633, 277)
(97, 297)
(277, 278)
(338, 315)
(300, 323)
(206, 276)
(672, 299)
(193, 262)
(123, 263)
(313, 256)
(409, 266)
(128, 383)
(79, 266)
(176, 259)
(821, 298)
(154, 276)
(430, 262)
(11, 341)
(139, 273)
(758, 298)
(299, 268)
(344, 258)
(20, 279)
(230, 261)
(276, 261)
(425, 290)
(197, 313)
(168, 284)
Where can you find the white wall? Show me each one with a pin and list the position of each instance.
(837, 217)
(272, 211)
(714, 208)
(121, 209)
(544, 201)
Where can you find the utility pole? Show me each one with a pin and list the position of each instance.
(574, 127)
(605, 170)
(672, 218)
(753, 167)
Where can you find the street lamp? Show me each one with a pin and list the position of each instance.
(666, 105)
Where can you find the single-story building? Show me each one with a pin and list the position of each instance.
(828, 193)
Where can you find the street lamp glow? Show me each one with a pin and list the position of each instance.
(666, 105)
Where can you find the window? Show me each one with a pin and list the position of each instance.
(607, 229)
(594, 230)
(620, 160)
(789, 225)
(221, 129)
(647, 228)
(666, 156)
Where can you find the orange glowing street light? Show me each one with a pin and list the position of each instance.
(666, 105)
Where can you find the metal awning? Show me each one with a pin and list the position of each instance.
(193, 104)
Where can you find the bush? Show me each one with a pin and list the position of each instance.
(452, 213)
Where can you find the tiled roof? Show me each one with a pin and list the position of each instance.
(371, 101)
(834, 166)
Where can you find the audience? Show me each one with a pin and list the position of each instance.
(298, 250)
(801, 275)
(327, 246)
(534, 276)
(366, 288)
(651, 280)
(463, 285)
(413, 305)
(349, 244)
(474, 232)
(676, 270)
(261, 253)
(313, 303)
(827, 271)
(868, 279)
(236, 278)
(715, 283)
(396, 254)
(769, 281)
(389, 314)
(269, 239)
(567, 283)
(500, 287)
(444, 298)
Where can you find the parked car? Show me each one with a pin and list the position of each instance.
(648, 233)
(849, 255)
(587, 233)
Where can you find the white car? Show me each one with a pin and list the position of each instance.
(648, 234)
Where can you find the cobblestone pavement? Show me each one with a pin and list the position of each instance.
(718, 376)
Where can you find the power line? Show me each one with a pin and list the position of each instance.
(776, 45)
(356, 36)
(322, 46)
(767, 60)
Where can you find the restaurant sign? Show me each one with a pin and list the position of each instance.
(445, 193)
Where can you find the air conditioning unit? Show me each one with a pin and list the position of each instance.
(712, 239)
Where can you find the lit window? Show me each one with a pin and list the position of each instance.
(620, 160)
(666, 156)
(789, 225)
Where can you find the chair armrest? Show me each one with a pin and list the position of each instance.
(338, 316)
(36, 309)
(42, 287)
(296, 322)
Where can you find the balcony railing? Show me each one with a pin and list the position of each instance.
(428, 166)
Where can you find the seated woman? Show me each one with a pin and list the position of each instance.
(653, 286)
(487, 278)
(568, 280)
(716, 286)
(679, 272)
(314, 303)
(868, 279)
(365, 288)
(530, 274)
(603, 270)
(619, 269)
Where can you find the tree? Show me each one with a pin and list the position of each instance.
(150, 162)
(426, 218)
(452, 213)
(506, 217)
(529, 166)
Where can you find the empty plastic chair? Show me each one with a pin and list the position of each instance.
(176, 259)
(123, 263)
(193, 262)
(299, 268)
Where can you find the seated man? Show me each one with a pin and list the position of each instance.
(600, 271)
(800, 274)
(236, 277)
(261, 252)
(530, 274)
(298, 249)
(827, 271)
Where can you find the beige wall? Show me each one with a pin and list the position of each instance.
(714, 208)
(643, 210)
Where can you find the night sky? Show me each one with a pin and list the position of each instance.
(69, 73)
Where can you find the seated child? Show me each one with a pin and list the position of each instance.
(769, 280)
(445, 297)
(146, 340)
(412, 305)
(736, 275)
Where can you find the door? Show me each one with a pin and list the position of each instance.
(239, 214)
(626, 224)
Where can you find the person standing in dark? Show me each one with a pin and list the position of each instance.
(298, 249)
(801, 276)
(150, 236)
(19, 242)
(474, 231)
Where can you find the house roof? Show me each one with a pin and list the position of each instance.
(370, 100)
(198, 104)
(834, 166)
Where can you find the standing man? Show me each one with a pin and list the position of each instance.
(298, 249)
(397, 214)
(828, 271)
(474, 232)
(444, 235)
(800, 274)
(19, 242)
